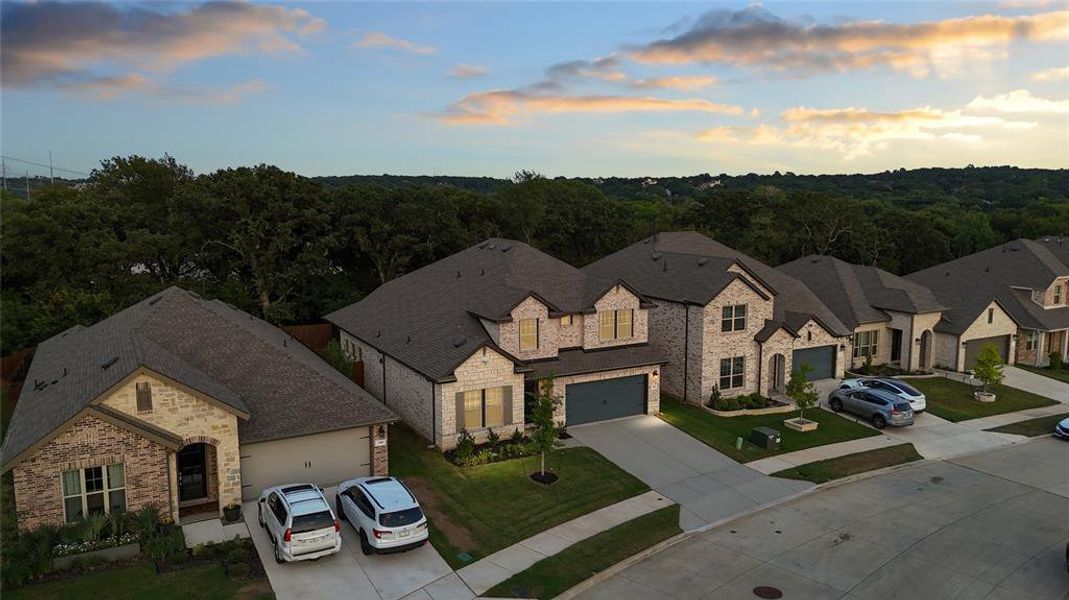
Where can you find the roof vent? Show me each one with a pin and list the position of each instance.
(814, 260)
(109, 362)
(987, 269)
(194, 294)
(458, 273)
(408, 340)
(378, 333)
(656, 256)
(155, 300)
(703, 261)
(482, 245)
(665, 263)
(506, 248)
(492, 246)
(284, 344)
(459, 341)
(482, 271)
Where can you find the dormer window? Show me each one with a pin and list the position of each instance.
(1058, 294)
(616, 324)
(528, 334)
(566, 321)
(733, 318)
(144, 396)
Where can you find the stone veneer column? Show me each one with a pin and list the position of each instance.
(380, 455)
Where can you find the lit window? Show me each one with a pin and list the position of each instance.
(733, 318)
(616, 324)
(866, 343)
(473, 409)
(1058, 294)
(566, 321)
(624, 327)
(528, 334)
(732, 371)
(484, 408)
(144, 396)
(494, 407)
(93, 491)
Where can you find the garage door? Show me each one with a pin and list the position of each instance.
(973, 348)
(322, 458)
(821, 359)
(607, 399)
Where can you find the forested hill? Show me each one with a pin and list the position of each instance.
(970, 186)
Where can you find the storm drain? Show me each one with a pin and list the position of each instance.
(767, 592)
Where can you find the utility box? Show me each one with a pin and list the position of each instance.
(765, 437)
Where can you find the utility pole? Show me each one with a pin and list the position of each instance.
(51, 176)
(27, 185)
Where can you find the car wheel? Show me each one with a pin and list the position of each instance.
(878, 421)
(341, 513)
(278, 555)
(365, 546)
(836, 405)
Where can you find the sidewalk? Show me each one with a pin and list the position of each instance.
(484, 574)
(790, 460)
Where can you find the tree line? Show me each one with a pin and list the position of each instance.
(291, 249)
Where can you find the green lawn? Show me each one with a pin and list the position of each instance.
(1060, 374)
(721, 432)
(953, 400)
(204, 582)
(852, 464)
(479, 510)
(1032, 427)
(551, 576)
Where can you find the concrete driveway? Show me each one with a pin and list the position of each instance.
(1037, 384)
(992, 526)
(350, 574)
(706, 484)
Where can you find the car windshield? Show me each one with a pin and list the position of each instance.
(312, 522)
(401, 517)
(907, 388)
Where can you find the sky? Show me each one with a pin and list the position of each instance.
(573, 89)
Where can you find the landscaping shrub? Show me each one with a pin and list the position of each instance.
(239, 554)
(492, 438)
(1055, 360)
(517, 436)
(465, 447)
(166, 546)
(238, 570)
(726, 404)
(715, 398)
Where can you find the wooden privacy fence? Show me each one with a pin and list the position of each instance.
(315, 336)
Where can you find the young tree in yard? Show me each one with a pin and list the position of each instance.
(337, 358)
(988, 367)
(544, 437)
(801, 390)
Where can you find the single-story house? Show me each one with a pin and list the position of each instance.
(892, 318)
(462, 344)
(725, 320)
(185, 403)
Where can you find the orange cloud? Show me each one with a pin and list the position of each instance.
(1053, 74)
(377, 39)
(756, 37)
(466, 71)
(68, 44)
(675, 82)
(502, 107)
(109, 88)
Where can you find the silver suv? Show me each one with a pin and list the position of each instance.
(879, 407)
(299, 522)
(384, 513)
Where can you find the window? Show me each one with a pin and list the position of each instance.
(484, 408)
(528, 334)
(616, 324)
(144, 396)
(1031, 340)
(731, 372)
(990, 315)
(733, 318)
(1058, 294)
(93, 491)
(566, 321)
(866, 343)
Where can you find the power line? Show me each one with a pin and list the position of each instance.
(46, 166)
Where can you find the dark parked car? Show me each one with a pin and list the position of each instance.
(878, 407)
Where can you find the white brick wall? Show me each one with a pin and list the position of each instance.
(548, 331)
(719, 345)
(667, 322)
(812, 336)
(616, 298)
(571, 336)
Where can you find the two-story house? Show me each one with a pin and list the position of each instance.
(455, 345)
(1013, 296)
(725, 320)
(892, 318)
(186, 404)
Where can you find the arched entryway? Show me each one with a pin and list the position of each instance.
(777, 373)
(197, 478)
(925, 351)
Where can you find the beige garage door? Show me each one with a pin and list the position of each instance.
(322, 458)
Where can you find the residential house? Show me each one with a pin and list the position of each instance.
(892, 318)
(1012, 297)
(463, 343)
(184, 403)
(725, 320)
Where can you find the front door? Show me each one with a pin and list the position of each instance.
(896, 345)
(192, 482)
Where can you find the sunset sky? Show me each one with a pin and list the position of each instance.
(588, 89)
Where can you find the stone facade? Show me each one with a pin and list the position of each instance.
(616, 298)
(1025, 355)
(717, 344)
(811, 335)
(571, 336)
(484, 369)
(380, 451)
(653, 387)
(192, 418)
(89, 442)
(548, 331)
(1050, 295)
(922, 323)
(883, 344)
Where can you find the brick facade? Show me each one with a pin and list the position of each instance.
(811, 335)
(89, 442)
(616, 298)
(717, 344)
(194, 419)
(484, 369)
(400, 388)
(548, 331)
(653, 387)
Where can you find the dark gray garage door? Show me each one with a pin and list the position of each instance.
(608, 399)
(821, 359)
(973, 348)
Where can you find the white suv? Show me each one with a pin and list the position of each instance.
(299, 522)
(384, 513)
